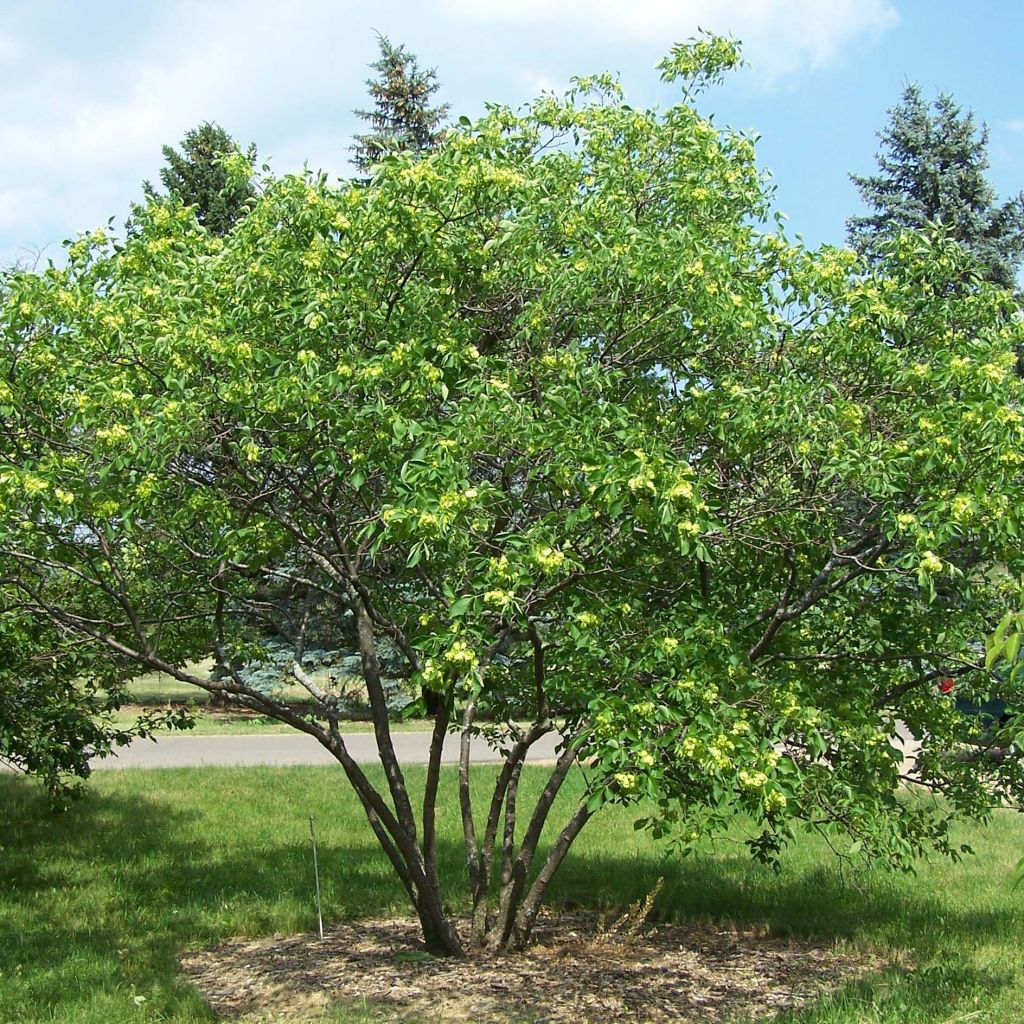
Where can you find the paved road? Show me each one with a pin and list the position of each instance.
(177, 751)
(184, 751)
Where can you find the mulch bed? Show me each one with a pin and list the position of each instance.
(576, 972)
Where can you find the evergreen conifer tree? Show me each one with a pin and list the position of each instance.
(198, 178)
(402, 118)
(932, 171)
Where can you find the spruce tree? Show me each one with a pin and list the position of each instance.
(402, 118)
(932, 172)
(197, 177)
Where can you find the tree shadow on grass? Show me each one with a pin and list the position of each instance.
(100, 901)
(820, 901)
(927, 933)
(97, 904)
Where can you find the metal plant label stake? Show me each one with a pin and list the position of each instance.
(316, 878)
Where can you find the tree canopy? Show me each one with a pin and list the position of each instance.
(402, 119)
(552, 411)
(932, 172)
(200, 176)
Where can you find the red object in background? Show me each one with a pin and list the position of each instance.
(948, 685)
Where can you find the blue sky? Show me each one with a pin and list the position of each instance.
(93, 89)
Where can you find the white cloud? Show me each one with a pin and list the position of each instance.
(74, 151)
(535, 82)
(780, 37)
(13, 202)
(92, 93)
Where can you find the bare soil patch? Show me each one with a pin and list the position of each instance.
(574, 973)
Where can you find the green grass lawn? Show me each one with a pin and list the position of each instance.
(96, 903)
(155, 690)
(160, 688)
(211, 723)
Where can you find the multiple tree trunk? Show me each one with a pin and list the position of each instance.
(507, 883)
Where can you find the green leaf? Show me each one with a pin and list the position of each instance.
(1012, 647)
(1000, 631)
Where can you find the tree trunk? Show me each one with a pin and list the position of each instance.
(439, 932)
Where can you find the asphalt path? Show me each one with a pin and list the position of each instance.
(297, 748)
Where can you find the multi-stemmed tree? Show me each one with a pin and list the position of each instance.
(548, 410)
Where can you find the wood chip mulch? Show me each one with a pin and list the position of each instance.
(574, 973)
